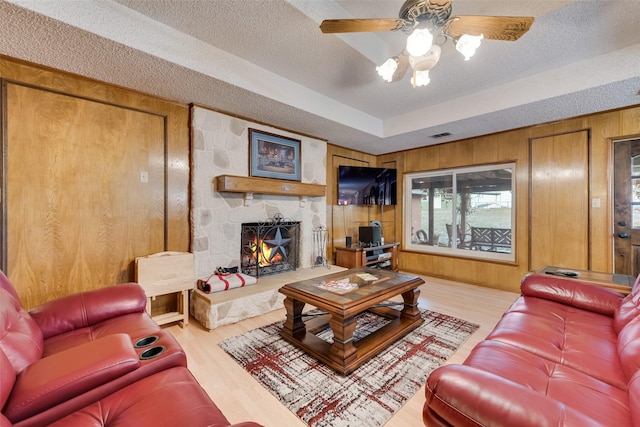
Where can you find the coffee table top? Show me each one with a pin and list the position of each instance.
(353, 286)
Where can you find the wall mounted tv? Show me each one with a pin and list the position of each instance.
(359, 185)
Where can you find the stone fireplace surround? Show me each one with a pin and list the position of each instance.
(220, 146)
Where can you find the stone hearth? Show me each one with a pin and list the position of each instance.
(222, 308)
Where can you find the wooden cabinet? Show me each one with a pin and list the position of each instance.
(356, 256)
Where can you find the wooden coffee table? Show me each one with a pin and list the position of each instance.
(342, 305)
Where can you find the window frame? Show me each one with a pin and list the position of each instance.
(506, 257)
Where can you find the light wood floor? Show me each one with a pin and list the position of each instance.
(241, 398)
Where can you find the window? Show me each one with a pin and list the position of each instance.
(467, 211)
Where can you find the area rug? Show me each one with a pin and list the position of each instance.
(367, 397)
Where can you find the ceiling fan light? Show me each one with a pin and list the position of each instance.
(420, 78)
(419, 42)
(387, 69)
(428, 61)
(468, 44)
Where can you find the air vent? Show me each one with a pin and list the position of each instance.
(440, 135)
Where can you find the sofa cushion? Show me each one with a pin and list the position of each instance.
(8, 375)
(85, 309)
(628, 310)
(580, 339)
(601, 402)
(168, 398)
(634, 396)
(136, 325)
(8, 286)
(464, 396)
(53, 380)
(20, 337)
(629, 348)
(571, 292)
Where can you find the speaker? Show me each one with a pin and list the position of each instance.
(348, 241)
(370, 236)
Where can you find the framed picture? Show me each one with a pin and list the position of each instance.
(273, 156)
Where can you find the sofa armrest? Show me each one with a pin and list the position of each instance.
(62, 376)
(88, 308)
(461, 395)
(572, 292)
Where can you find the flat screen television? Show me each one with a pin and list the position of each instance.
(358, 185)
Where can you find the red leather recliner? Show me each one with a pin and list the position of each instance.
(566, 353)
(94, 358)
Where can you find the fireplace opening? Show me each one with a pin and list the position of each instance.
(270, 246)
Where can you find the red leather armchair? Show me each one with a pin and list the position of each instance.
(68, 360)
(566, 353)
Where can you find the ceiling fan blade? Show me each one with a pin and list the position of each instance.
(507, 28)
(403, 65)
(360, 25)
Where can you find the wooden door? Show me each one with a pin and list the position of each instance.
(85, 192)
(626, 203)
(559, 208)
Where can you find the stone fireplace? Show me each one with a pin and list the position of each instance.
(221, 147)
(270, 246)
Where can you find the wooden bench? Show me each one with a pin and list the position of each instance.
(491, 239)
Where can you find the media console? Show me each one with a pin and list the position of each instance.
(383, 256)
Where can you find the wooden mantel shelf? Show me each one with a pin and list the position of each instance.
(251, 185)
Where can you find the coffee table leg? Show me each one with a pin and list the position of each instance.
(343, 349)
(411, 309)
(293, 325)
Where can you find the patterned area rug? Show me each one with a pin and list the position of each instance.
(367, 397)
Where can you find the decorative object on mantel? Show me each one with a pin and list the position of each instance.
(251, 185)
(219, 282)
(367, 397)
(320, 246)
(274, 156)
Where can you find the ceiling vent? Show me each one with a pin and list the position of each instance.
(440, 135)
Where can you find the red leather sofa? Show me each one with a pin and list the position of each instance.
(95, 358)
(566, 353)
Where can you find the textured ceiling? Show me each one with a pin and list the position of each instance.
(267, 60)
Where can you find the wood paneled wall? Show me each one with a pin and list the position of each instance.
(76, 207)
(503, 147)
(559, 214)
(515, 146)
(346, 220)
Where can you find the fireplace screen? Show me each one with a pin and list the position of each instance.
(270, 247)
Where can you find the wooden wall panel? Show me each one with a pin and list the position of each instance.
(559, 211)
(88, 142)
(345, 220)
(77, 211)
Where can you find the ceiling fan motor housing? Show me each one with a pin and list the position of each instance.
(417, 11)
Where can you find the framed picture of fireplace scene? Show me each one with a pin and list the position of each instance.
(273, 156)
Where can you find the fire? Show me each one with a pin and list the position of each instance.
(264, 255)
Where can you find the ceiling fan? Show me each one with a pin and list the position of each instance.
(429, 24)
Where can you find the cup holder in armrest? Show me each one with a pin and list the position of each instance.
(143, 342)
(152, 352)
